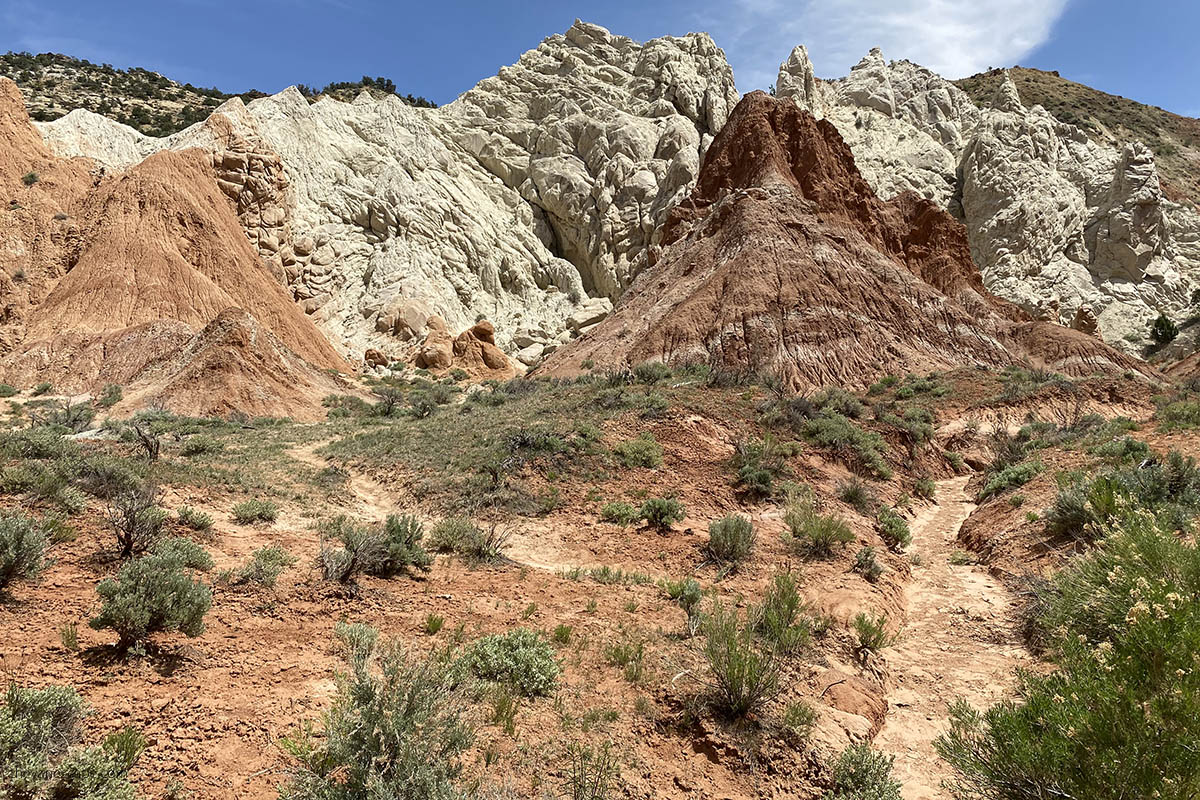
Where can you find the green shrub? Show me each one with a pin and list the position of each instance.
(863, 774)
(867, 565)
(1009, 477)
(7, 391)
(730, 539)
(1115, 719)
(799, 719)
(562, 634)
(687, 594)
(925, 488)
(521, 658)
(760, 462)
(857, 494)
(893, 528)
(1179, 415)
(812, 534)
(662, 512)
(201, 445)
(591, 774)
(859, 448)
(780, 620)
(434, 623)
(871, 631)
(397, 548)
(41, 389)
(40, 443)
(350, 548)
(194, 519)
(22, 548)
(743, 676)
(643, 451)
(42, 756)
(263, 568)
(620, 513)
(1163, 330)
(155, 592)
(30, 178)
(249, 512)
(651, 372)
(394, 730)
(109, 396)
(462, 537)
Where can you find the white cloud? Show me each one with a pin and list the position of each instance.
(952, 37)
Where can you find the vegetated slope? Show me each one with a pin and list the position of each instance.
(55, 84)
(110, 274)
(784, 260)
(1108, 119)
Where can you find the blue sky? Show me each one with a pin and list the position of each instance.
(439, 49)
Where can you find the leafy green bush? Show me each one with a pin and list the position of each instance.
(894, 529)
(872, 633)
(249, 512)
(1116, 718)
(651, 372)
(350, 548)
(730, 539)
(201, 445)
(263, 568)
(41, 755)
(687, 594)
(743, 676)
(812, 534)
(799, 719)
(1163, 330)
(643, 451)
(7, 391)
(395, 730)
(155, 592)
(867, 565)
(1009, 477)
(1180, 415)
(42, 443)
(194, 519)
(397, 547)
(521, 657)
(662, 512)
(620, 513)
(760, 462)
(925, 488)
(863, 774)
(22, 548)
(109, 396)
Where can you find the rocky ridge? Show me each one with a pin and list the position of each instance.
(1072, 230)
(530, 201)
(784, 261)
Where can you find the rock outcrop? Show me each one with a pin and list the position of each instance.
(1072, 231)
(530, 199)
(783, 260)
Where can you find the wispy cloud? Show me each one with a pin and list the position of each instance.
(952, 37)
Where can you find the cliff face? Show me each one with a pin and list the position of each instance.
(1073, 227)
(783, 260)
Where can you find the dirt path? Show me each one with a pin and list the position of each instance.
(959, 640)
(372, 499)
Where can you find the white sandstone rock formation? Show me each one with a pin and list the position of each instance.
(1072, 231)
(529, 201)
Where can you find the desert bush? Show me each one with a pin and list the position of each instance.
(462, 537)
(201, 445)
(1180, 415)
(835, 400)
(395, 729)
(397, 548)
(22, 548)
(863, 774)
(730, 539)
(1114, 719)
(591, 774)
(155, 592)
(867, 565)
(42, 443)
(686, 594)
(1163, 330)
(760, 462)
(642, 451)
(662, 512)
(812, 534)
(109, 396)
(620, 513)
(42, 755)
(349, 548)
(194, 519)
(651, 372)
(872, 633)
(41, 389)
(781, 620)
(799, 719)
(7, 390)
(861, 449)
(1009, 477)
(521, 658)
(743, 676)
(893, 528)
(75, 417)
(104, 477)
(263, 568)
(925, 488)
(249, 512)
(136, 519)
(855, 493)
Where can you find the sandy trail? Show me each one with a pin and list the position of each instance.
(960, 640)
